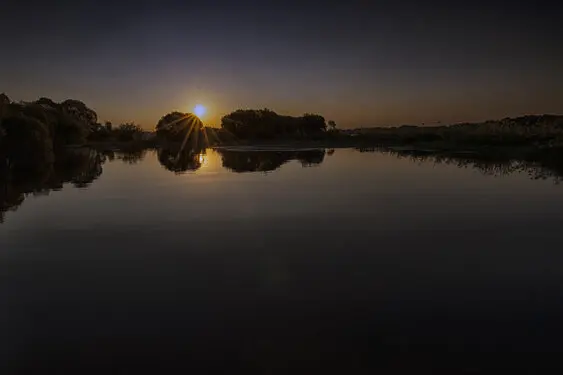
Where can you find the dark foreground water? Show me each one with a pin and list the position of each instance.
(274, 263)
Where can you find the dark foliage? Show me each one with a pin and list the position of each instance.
(545, 130)
(218, 136)
(180, 127)
(35, 124)
(25, 140)
(128, 132)
(4, 99)
(266, 124)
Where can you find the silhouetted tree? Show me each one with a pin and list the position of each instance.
(4, 100)
(66, 123)
(332, 125)
(128, 132)
(26, 139)
(99, 133)
(312, 124)
(70, 121)
(181, 127)
(266, 124)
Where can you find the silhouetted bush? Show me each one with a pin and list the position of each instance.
(26, 140)
(127, 132)
(546, 130)
(60, 124)
(180, 127)
(266, 124)
(4, 99)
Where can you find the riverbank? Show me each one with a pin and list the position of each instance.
(522, 138)
(361, 143)
(118, 146)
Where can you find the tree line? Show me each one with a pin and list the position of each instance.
(267, 124)
(45, 124)
(38, 126)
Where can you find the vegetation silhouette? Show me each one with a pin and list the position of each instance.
(38, 126)
(45, 122)
(28, 128)
(182, 142)
(266, 124)
(524, 131)
(123, 135)
(266, 161)
(34, 135)
(179, 127)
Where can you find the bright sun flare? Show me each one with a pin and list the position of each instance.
(199, 110)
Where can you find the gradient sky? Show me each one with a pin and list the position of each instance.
(360, 63)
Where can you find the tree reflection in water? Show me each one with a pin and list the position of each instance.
(133, 156)
(538, 164)
(20, 177)
(267, 161)
(36, 176)
(179, 160)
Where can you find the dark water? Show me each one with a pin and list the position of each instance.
(273, 263)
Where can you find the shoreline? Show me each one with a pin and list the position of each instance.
(359, 143)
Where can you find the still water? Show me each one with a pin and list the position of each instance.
(281, 262)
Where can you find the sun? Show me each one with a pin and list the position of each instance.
(199, 110)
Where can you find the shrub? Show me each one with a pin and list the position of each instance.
(128, 132)
(266, 124)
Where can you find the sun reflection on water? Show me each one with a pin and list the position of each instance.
(202, 159)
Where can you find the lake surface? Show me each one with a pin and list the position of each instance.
(281, 262)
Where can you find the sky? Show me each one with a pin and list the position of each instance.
(359, 63)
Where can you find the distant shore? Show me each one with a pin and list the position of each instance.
(360, 142)
(523, 138)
